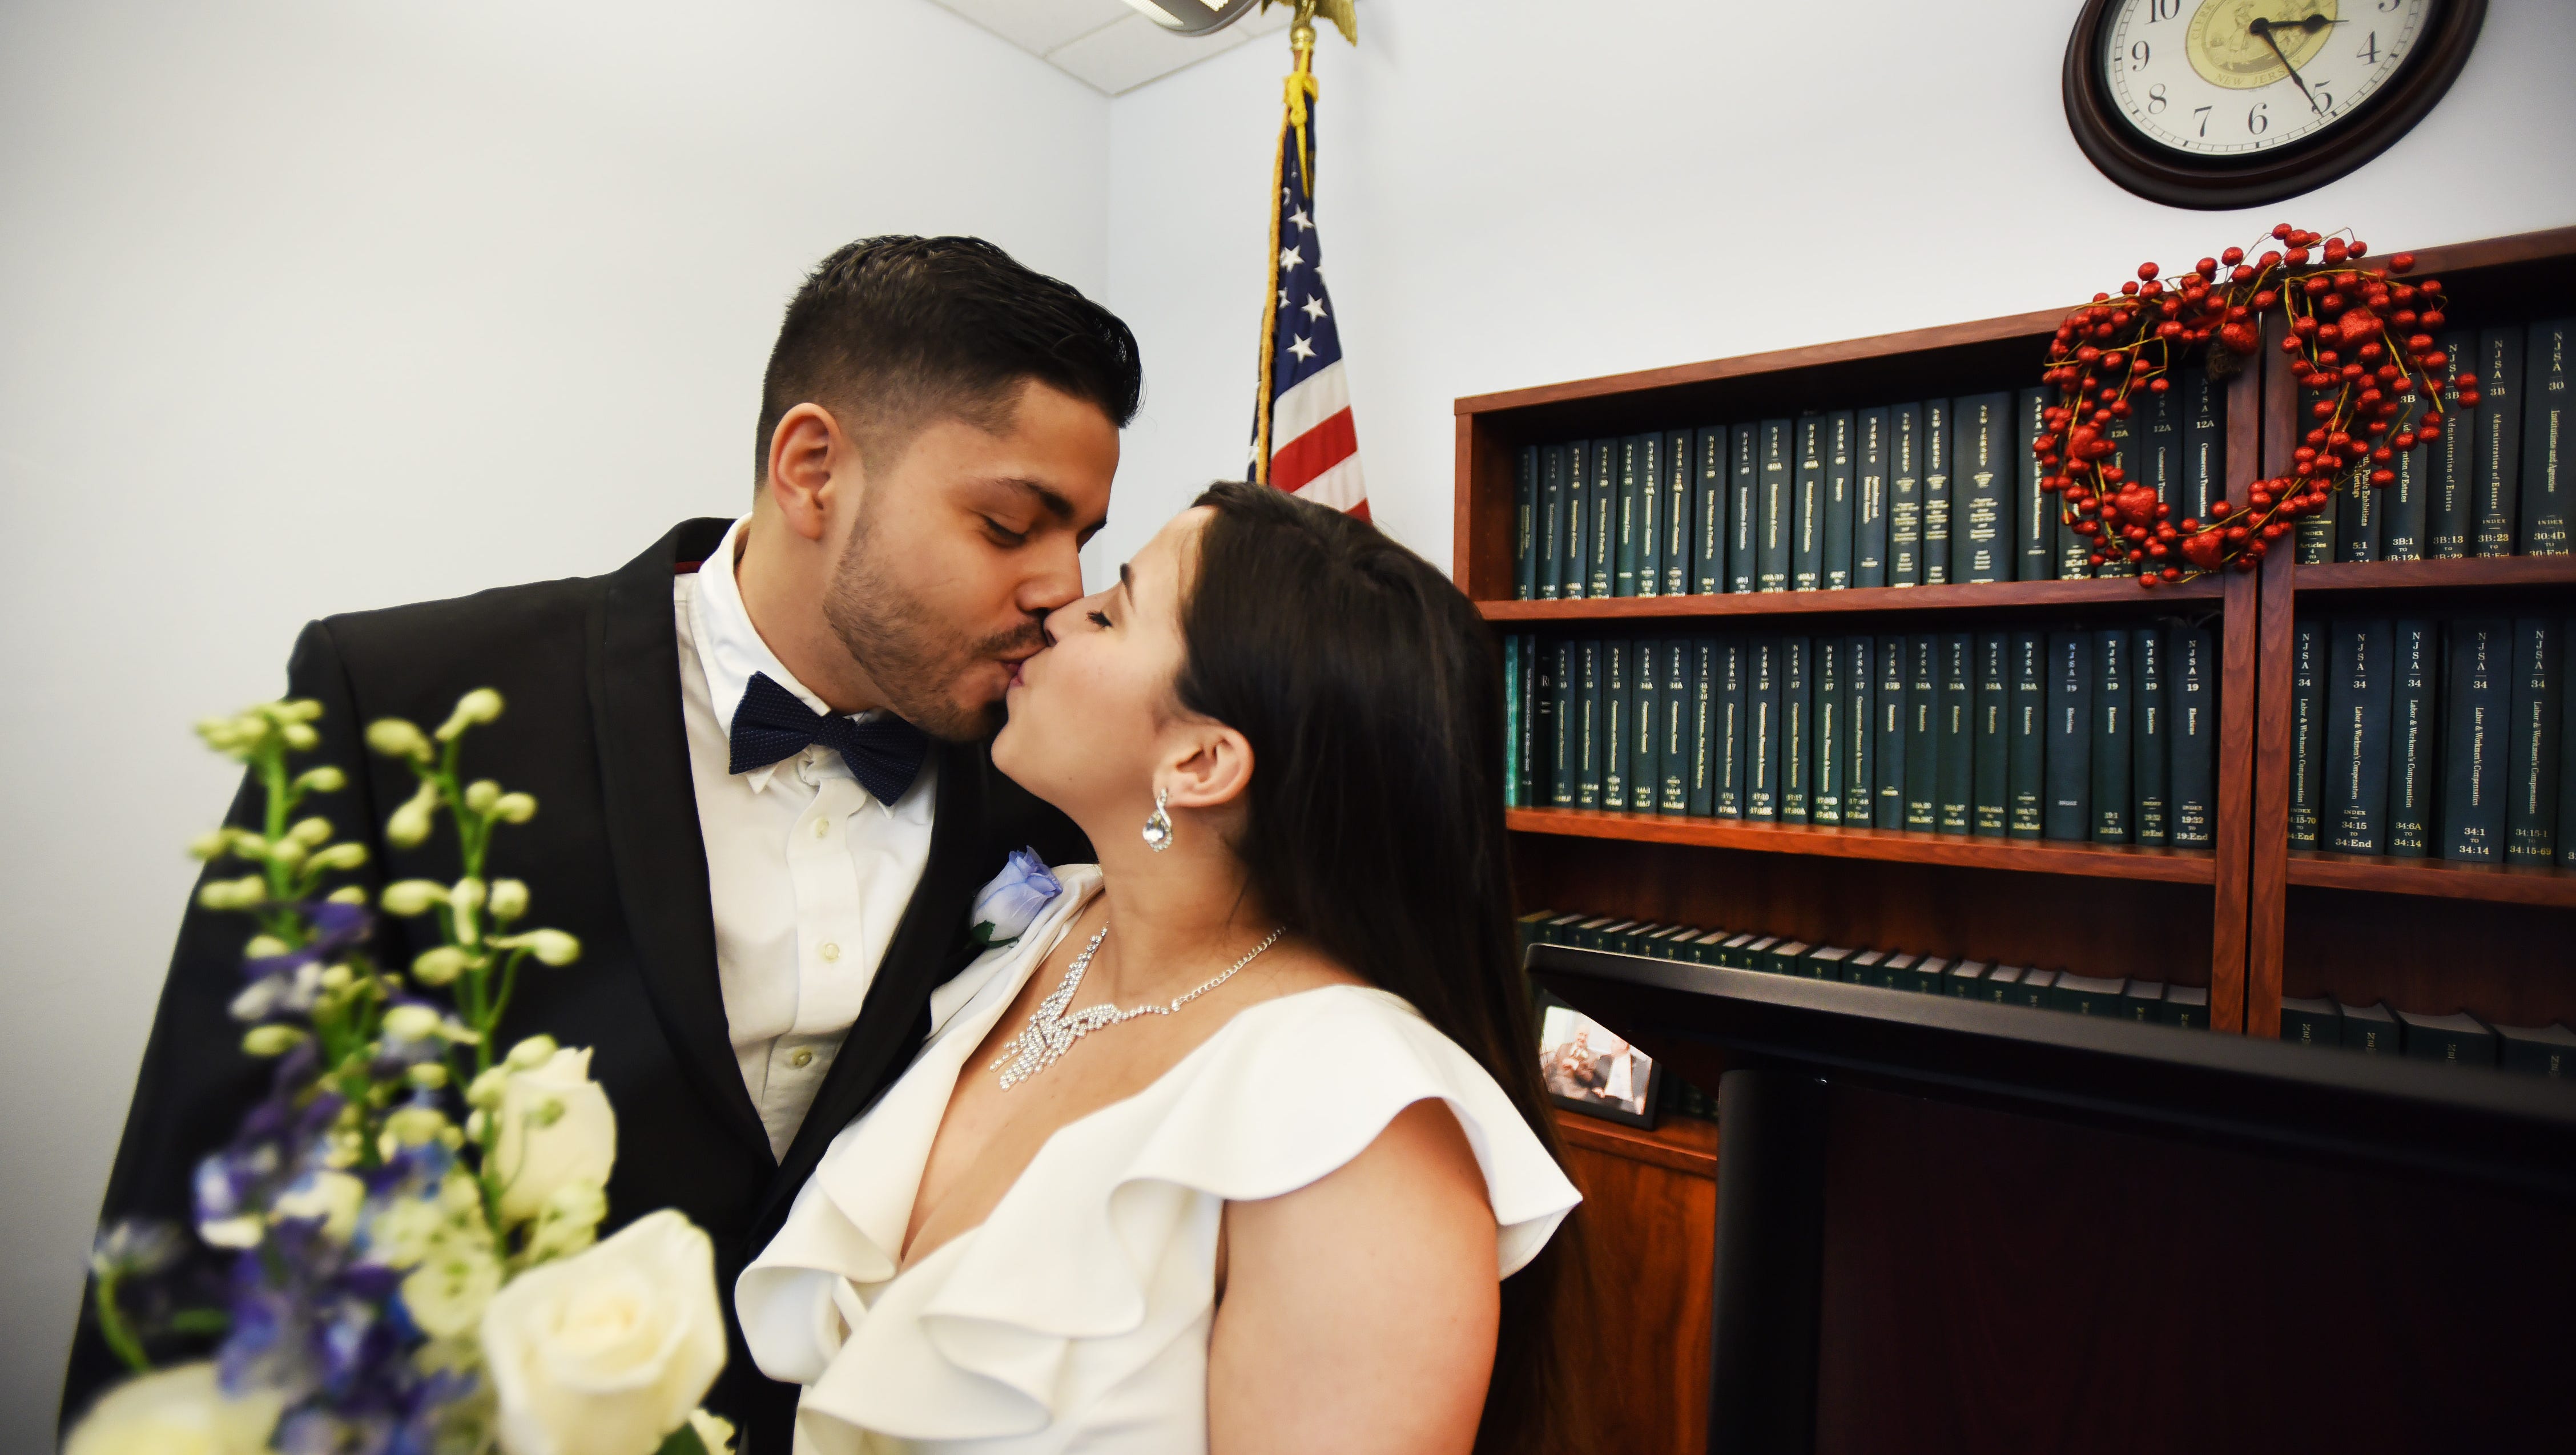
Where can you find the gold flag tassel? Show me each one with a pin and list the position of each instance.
(1300, 89)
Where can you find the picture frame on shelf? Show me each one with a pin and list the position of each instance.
(1589, 1070)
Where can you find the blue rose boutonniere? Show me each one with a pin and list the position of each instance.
(1005, 908)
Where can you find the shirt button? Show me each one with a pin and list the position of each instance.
(829, 951)
(803, 1058)
(822, 828)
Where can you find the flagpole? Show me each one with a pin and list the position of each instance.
(1301, 84)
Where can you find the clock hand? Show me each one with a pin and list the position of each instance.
(2263, 30)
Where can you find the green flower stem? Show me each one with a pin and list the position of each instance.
(112, 1326)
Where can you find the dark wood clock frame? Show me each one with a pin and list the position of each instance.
(2181, 180)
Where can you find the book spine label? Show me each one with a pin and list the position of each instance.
(2113, 729)
(1807, 510)
(2477, 665)
(2498, 511)
(1708, 511)
(1779, 470)
(1604, 505)
(1869, 498)
(1574, 577)
(1825, 708)
(1680, 470)
(1982, 544)
(2161, 457)
(1860, 732)
(2034, 509)
(1762, 732)
(2191, 725)
(2545, 485)
(2308, 669)
(1650, 515)
(1733, 703)
(2026, 716)
(1937, 424)
(1618, 698)
(2069, 812)
(1634, 487)
(1645, 727)
(1922, 732)
(1955, 779)
(1991, 770)
(2357, 518)
(2414, 657)
(2150, 751)
(1588, 746)
(1890, 729)
(1744, 507)
(1797, 728)
(1704, 705)
(2402, 516)
(1551, 522)
(1536, 778)
(2204, 443)
(2455, 454)
(1565, 771)
(1842, 504)
(1514, 694)
(2535, 704)
(1525, 525)
(1905, 495)
(2355, 800)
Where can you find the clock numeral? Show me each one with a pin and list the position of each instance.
(2203, 113)
(2325, 99)
(2369, 49)
(2138, 56)
(2163, 10)
(2386, 6)
(2156, 99)
(2256, 121)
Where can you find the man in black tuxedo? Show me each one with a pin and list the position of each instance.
(760, 751)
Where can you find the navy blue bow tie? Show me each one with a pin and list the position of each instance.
(773, 723)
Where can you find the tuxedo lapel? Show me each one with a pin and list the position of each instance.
(654, 843)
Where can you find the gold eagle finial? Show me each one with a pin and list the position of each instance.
(1345, 19)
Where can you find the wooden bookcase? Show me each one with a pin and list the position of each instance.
(2247, 919)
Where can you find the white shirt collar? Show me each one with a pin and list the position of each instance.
(730, 650)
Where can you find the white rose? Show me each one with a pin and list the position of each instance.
(556, 1128)
(608, 1351)
(176, 1411)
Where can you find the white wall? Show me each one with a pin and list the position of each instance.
(315, 306)
(1513, 195)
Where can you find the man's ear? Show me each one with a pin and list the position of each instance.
(806, 451)
(1214, 770)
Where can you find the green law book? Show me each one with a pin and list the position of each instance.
(1678, 471)
(2203, 410)
(1778, 487)
(1755, 955)
(2449, 1040)
(1636, 487)
(2026, 728)
(1551, 522)
(1704, 950)
(1705, 704)
(2002, 983)
(2453, 499)
(1785, 956)
(1587, 935)
(2151, 745)
(1797, 729)
(1512, 722)
(1525, 524)
(2160, 447)
(1574, 575)
(1589, 742)
(1559, 929)
(2036, 988)
(2308, 670)
(2067, 813)
(1895, 972)
(1841, 499)
(2535, 700)
(2545, 482)
(1565, 768)
(2088, 995)
(1613, 937)
(2567, 788)
(1603, 502)
(1828, 741)
(1966, 980)
(1928, 973)
(2404, 519)
(2496, 511)
(2114, 729)
(1673, 747)
(1862, 969)
(2477, 673)
(1645, 727)
(1538, 723)
(2353, 800)
(1650, 514)
(2314, 535)
(1762, 732)
(2306, 1022)
(2372, 1029)
(1826, 963)
(1869, 498)
(2537, 1050)
(1531, 929)
(2187, 1007)
(1938, 423)
(1990, 762)
(2415, 651)
(2127, 457)
(1860, 731)
(1922, 732)
(1618, 698)
(2034, 510)
(1983, 544)
(1807, 507)
(2191, 727)
(1708, 510)
(1744, 506)
(2144, 1002)
(1905, 495)
(1891, 724)
(1733, 754)
(2357, 522)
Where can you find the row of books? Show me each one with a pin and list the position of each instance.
(2418, 738)
(2495, 484)
(1941, 491)
(2105, 735)
(2152, 1001)
(2460, 1039)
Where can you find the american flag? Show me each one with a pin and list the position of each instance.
(1302, 439)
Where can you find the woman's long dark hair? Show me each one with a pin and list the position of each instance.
(1371, 694)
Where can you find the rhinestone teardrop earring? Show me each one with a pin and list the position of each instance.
(1158, 824)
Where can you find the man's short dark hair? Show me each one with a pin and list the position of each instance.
(892, 332)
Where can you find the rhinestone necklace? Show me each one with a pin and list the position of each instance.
(1051, 1032)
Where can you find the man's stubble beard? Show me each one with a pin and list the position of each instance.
(914, 660)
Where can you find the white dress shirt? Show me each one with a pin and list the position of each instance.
(807, 873)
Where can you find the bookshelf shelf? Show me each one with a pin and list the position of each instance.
(1682, 1144)
(2533, 884)
(2462, 575)
(2012, 596)
(2102, 861)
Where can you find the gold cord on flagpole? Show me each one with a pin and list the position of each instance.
(1300, 89)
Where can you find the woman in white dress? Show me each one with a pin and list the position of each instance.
(1298, 1194)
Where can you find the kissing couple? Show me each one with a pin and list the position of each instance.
(1081, 1021)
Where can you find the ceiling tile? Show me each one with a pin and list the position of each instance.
(1039, 26)
(1104, 43)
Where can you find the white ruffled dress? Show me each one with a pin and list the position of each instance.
(1076, 1318)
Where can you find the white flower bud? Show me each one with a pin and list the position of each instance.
(411, 1126)
(264, 947)
(468, 893)
(509, 899)
(339, 856)
(553, 947)
(410, 1023)
(532, 1053)
(440, 966)
(478, 1122)
(481, 794)
(481, 705)
(301, 738)
(515, 807)
(325, 779)
(486, 1089)
(408, 897)
(297, 709)
(395, 738)
(349, 894)
(245, 893)
(210, 845)
(428, 1076)
(249, 845)
(336, 978)
(287, 851)
(312, 832)
(271, 1040)
(410, 823)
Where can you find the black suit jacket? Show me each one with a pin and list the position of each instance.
(589, 671)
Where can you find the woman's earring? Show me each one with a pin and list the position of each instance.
(1158, 824)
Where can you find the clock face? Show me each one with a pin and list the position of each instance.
(2234, 78)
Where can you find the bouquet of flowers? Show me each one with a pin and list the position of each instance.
(406, 1227)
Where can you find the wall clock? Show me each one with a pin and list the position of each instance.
(2228, 103)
